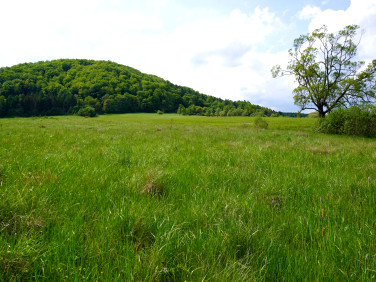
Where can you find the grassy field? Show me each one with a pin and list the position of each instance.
(171, 198)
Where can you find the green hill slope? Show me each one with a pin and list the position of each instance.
(65, 86)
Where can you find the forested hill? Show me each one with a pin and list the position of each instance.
(67, 85)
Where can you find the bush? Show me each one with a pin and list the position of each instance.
(260, 123)
(356, 120)
(258, 113)
(87, 112)
(159, 112)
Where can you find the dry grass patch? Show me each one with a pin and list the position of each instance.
(323, 151)
(246, 125)
(302, 134)
(234, 143)
(39, 177)
(153, 188)
(11, 223)
(276, 202)
(154, 185)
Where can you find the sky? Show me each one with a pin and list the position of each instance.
(223, 48)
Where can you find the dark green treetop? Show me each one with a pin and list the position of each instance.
(67, 85)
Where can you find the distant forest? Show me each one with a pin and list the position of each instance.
(67, 86)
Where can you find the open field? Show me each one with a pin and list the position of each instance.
(166, 197)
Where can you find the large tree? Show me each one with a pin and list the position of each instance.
(325, 67)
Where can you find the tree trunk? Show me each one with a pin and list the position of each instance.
(321, 112)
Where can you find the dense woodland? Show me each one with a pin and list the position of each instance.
(67, 86)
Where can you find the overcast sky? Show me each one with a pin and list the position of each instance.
(223, 48)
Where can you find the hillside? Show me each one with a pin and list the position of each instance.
(64, 86)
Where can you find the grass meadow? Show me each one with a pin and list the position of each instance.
(148, 197)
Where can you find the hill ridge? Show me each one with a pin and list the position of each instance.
(64, 86)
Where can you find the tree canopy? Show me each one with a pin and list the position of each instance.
(67, 85)
(328, 75)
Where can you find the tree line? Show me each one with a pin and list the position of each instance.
(67, 86)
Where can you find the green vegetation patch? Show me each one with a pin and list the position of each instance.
(356, 120)
(75, 86)
(151, 197)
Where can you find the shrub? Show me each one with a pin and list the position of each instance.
(260, 123)
(258, 113)
(87, 112)
(332, 123)
(159, 112)
(356, 120)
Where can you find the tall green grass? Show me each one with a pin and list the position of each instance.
(171, 198)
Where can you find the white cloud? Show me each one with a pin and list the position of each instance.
(54, 29)
(224, 55)
(218, 54)
(360, 12)
(309, 12)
